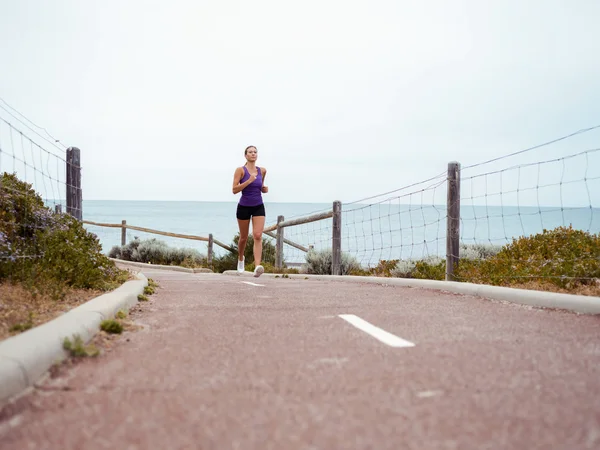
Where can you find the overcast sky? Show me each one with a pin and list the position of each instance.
(344, 99)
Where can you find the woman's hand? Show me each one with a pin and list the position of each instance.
(265, 189)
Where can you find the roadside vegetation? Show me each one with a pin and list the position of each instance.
(49, 263)
(155, 251)
(560, 260)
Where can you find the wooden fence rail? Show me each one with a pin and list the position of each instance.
(301, 220)
(124, 226)
(288, 242)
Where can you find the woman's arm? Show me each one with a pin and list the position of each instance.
(264, 189)
(237, 176)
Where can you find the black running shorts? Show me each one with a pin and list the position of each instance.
(245, 212)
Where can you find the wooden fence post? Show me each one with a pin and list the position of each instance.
(279, 244)
(453, 220)
(74, 197)
(210, 249)
(123, 232)
(336, 241)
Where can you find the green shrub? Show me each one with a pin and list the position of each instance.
(563, 256)
(319, 262)
(48, 252)
(385, 268)
(432, 269)
(478, 251)
(404, 268)
(154, 251)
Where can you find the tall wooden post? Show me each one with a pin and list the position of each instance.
(210, 249)
(453, 220)
(279, 244)
(74, 197)
(336, 239)
(123, 232)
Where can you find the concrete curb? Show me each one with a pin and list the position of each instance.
(24, 358)
(161, 267)
(577, 303)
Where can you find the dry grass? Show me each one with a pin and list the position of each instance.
(21, 310)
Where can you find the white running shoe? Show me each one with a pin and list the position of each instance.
(240, 267)
(258, 271)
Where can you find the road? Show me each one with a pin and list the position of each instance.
(226, 362)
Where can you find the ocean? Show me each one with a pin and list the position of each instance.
(369, 232)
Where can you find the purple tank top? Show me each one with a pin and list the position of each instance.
(251, 194)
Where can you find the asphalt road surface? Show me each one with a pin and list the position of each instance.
(226, 362)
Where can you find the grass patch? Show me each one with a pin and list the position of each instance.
(111, 326)
(20, 327)
(78, 349)
(142, 298)
(319, 262)
(121, 315)
(149, 290)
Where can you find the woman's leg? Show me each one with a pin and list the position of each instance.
(244, 226)
(258, 225)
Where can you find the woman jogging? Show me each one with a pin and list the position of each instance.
(249, 180)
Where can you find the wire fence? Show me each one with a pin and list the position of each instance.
(495, 203)
(32, 163)
(525, 199)
(501, 205)
(30, 173)
(409, 223)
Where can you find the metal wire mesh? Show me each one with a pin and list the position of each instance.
(314, 235)
(408, 225)
(28, 172)
(501, 205)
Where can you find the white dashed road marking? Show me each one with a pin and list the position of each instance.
(251, 284)
(377, 333)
